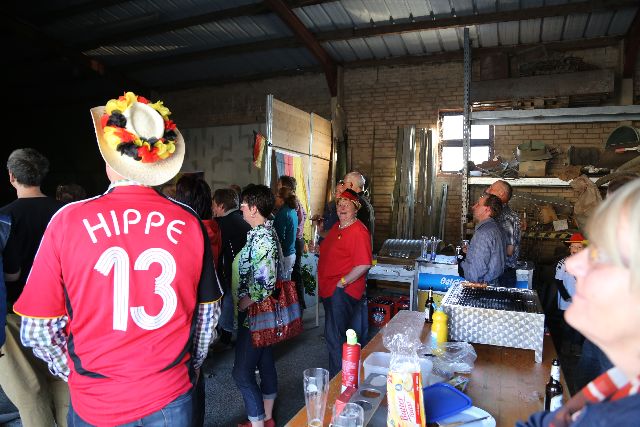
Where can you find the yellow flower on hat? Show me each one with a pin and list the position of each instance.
(111, 138)
(122, 103)
(164, 150)
(160, 108)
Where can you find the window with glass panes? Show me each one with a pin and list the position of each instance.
(451, 142)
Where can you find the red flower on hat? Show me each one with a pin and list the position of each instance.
(169, 125)
(148, 156)
(143, 100)
(124, 135)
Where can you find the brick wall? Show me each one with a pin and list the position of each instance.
(377, 101)
(244, 103)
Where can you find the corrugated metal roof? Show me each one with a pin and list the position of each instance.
(122, 16)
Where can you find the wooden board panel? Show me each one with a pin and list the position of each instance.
(321, 146)
(318, 179)
(291, 127)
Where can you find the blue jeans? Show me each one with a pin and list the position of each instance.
(339, 313)
(175, 414)
(248, 358)
(360, 320)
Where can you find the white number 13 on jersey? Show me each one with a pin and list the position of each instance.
(117, 259)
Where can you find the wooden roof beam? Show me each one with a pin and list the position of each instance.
(293, 22)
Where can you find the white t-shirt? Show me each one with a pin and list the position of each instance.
(569, 283)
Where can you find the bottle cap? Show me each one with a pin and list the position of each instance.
(352, 338)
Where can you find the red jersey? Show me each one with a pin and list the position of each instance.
(128, 268)
(340, 252)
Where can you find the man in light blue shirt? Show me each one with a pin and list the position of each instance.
(486, 252)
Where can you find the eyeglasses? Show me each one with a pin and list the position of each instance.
(341, 182)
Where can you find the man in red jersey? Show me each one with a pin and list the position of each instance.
(123, 298)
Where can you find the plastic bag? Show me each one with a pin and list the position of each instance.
(404, 381)
(454, 357)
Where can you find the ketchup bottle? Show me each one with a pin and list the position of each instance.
(350, 360)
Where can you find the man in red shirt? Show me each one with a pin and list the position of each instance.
(123, 299)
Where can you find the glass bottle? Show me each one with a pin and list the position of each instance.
(553, 390)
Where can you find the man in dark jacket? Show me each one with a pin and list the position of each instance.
(233, 229)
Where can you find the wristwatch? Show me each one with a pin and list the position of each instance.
(344, 282)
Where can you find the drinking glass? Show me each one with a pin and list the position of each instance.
(316, 389)
(352, 415)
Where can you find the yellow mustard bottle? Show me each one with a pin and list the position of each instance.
(439, 331)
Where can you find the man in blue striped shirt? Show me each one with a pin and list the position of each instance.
(486, 252)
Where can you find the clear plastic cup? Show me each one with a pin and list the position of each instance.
(316, 389)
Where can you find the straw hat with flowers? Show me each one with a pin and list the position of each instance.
(138, 140)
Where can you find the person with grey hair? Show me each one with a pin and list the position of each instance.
(356, 181)
(605, 309)
(41, 398)
(509, 221)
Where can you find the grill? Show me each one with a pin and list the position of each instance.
(506, 317)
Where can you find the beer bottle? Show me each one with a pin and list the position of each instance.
(429, 306)
(553, 391)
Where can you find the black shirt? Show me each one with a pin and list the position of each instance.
(365, 213)
(29, 219)
(233, 232)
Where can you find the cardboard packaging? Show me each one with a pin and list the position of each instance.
(533, 168)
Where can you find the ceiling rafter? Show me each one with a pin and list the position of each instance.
(206, 18)
(297, 27)
(440, 23)
(404, 60)
(28, 31)
(478, 19)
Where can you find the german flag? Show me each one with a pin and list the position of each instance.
(258, 148)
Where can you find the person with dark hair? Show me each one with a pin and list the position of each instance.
(286, 181)
(67, 193)
(194, 192)
(41, 398)
(286, 224)
(258, 269)
(509, 221)
(233, 233)
(122, 298)
(485, 255)
(237, 189)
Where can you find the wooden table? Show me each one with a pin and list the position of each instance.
(506, 382)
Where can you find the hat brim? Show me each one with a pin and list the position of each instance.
(151, 174)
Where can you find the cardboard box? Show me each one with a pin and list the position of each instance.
(533, 168)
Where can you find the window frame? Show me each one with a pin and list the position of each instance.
(478, 142)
